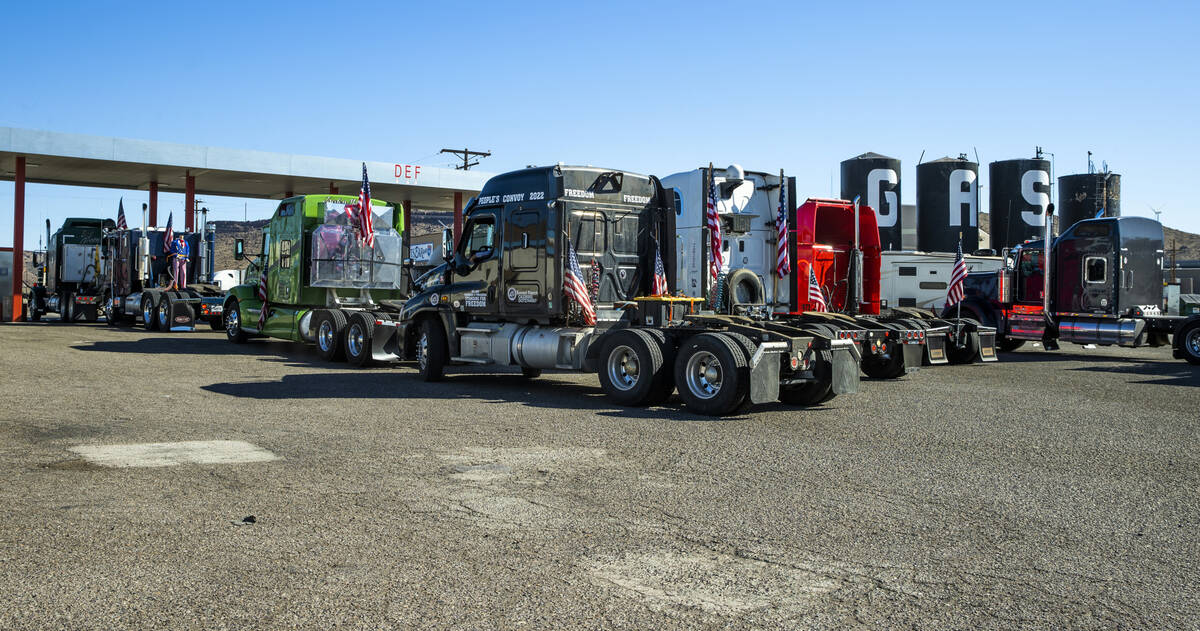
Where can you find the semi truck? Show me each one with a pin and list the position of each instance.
(322, 284)
(1100, 282)
(69, 274)
(503, 297)
(136, 280)
(838, 241)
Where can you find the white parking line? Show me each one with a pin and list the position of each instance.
(169, 454)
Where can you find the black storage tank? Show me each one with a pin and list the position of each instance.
(947, 203)
(1083, 195)
(876, 179)
(1019, 192)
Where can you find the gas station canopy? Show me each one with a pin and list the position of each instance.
(80, 160)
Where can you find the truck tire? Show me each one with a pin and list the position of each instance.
(149, 308)
(630, 364)
(65, 304)
(359, 332)
(807, 394)
(743, 287)
(880, 367)
(110, 315)
(1008, 344)
(432, 352)
(91, 313)
(711, 374)
(233, 322)
(215, 324)
(162, 313)
(1189, 343)
(966, 353)
(331, 335)
(531, 373)
(664, 387)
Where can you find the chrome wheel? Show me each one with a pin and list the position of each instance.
(233, 323)
(704, 375)
(623, 367)
(147, 314)
(325, 335)
(1192, 342)
(355, 340)
(423, 351)
(162, 315)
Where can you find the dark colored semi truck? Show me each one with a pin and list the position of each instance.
(499, 300)
(1104, 287)
(136, 281)
(69, 274)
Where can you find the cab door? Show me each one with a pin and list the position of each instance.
(479, 281)
(524, 280)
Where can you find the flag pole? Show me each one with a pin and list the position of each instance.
(958, 313)
(775, 277)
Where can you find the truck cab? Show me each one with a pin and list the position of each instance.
(316, 271)
(72, 271)
(554, 270)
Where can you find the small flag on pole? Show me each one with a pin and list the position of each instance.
(574, 288)
(659, 285)
(1099, 214)
(816, 299)
(783, 263)
(121, 224)
(170, 234)
(715, 259)
(958, 275)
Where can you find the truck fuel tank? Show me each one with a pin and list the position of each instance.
(1120, 331)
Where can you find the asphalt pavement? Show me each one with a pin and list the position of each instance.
(1045, 491)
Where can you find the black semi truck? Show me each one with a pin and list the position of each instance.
(69, 272)
(137, 281)
(499, 299)
(1104, 287)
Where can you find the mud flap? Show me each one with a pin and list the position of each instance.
(914, 357)
(764, 380)
(844, 368)
(987, 343)
(935, 349)
(179, 315)
(385, 346)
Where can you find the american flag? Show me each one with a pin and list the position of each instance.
(783, 263)
(366, 223)
(262, 295)
(170, 235)
(573, 287)
(658, 287)
(715, 260)
(816, 299)
(954, 294)
(121, 225)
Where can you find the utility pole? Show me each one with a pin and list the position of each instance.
(465, 155)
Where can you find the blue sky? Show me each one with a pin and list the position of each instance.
(645, 86)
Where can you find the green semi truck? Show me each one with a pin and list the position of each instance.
(322, 282)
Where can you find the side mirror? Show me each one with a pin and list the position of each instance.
(406, 263)
(239, 249)
(447, 242)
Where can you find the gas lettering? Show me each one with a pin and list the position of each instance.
(883, 181)
(962, 192)
(1035, 195)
